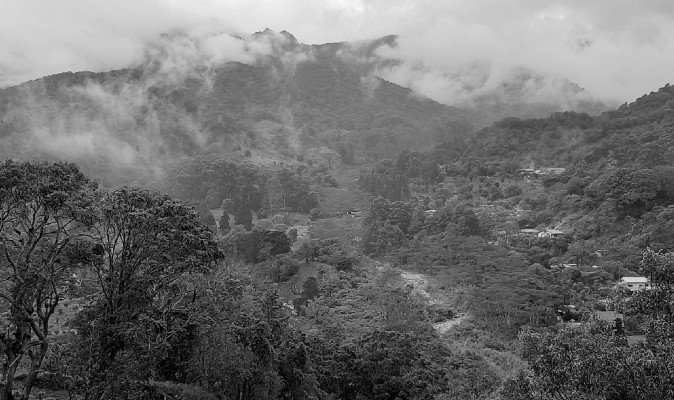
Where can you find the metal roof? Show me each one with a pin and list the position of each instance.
(634, 279)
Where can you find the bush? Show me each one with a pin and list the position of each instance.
(279, 219)
(284, 268)
(315, 214)
(262, 213)
(292, 235)
(280, 227)
(255, 246)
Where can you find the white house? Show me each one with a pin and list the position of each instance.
(528, 232)
(550, 171)
(634, 283)
(550, 233)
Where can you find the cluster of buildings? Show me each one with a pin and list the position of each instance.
(570, 316)
(548, 233)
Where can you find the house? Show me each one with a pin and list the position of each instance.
(550, 171)
(528, 232)
(550, 233)
(634, 283)
(608, 316)
(526, 171)
(430, 213)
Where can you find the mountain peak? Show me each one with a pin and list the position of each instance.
(284, 39)
(289, 36)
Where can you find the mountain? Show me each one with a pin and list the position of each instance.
(223, 94)
(526, 94)
(492, 91)
(636, 135)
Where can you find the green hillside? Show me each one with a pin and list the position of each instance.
(293, 103)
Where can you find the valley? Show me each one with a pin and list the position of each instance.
(291, 225)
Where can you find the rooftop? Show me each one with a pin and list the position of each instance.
(608, 316)
(634, 279)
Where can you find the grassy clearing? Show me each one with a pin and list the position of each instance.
(348, 229)
(335, 201)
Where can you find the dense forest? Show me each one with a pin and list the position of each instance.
(603, 185)
(165, 310)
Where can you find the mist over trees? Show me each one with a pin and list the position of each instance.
(299, 228)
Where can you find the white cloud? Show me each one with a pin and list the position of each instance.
(617, 49)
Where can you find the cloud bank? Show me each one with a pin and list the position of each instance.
(135, 121)
(616, 49)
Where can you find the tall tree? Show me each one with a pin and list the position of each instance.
(44, 210)
(141, 320)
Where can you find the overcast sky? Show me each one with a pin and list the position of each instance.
(617, 49)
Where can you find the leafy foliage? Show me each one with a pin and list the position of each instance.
(596, 360)
(148, 244)
(255, 246)
(385, 180)
(45, 210)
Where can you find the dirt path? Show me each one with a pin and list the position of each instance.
(419, 284)
(444, 326)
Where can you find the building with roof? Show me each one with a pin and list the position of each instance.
(526, 171)
(634, 283)
(550, 171)
(529, 232)
(608, 316)
(550, 233)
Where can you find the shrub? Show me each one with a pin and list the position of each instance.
(315, 214)
(284, 268)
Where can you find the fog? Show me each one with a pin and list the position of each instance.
(616, 50)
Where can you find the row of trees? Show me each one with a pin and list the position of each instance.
(385, 180)
(211, 179)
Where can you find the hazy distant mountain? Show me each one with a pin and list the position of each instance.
(528, 95)
(636, 135)
(267, 92)
(490, 91)
(218, 93)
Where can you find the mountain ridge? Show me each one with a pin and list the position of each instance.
(146, 116)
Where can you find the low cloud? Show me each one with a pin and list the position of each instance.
(142, 118)
(616, 49)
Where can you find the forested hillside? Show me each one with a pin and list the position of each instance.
(284, 224)
(163, 306)
(635, 135)
(530, 230)
(292, 101)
